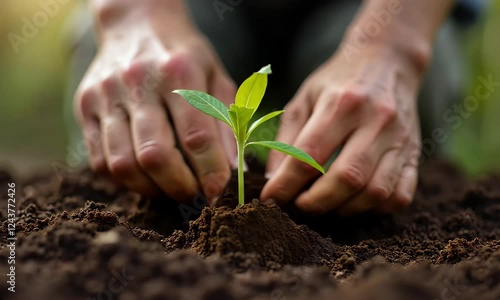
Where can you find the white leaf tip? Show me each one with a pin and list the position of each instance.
(266, 70)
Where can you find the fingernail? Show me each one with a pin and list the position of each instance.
(234, 162)
(212, 202)
(311, 207)
(269, 202)
(268, 175)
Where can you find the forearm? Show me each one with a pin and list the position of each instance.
(126, 15)
(406, 26)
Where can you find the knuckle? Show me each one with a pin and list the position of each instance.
(197, 140)
(352, 176)
(109, 83)
(293, 112)
(378, 193)
(122, 167)
(350, 100)
(178, 66)
(151, 156)
(142, 78)
(135, 72)
(106, 12)
(387, 113)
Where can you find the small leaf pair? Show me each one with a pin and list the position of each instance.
(238, 116)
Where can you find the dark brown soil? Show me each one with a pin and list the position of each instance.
(83, 238)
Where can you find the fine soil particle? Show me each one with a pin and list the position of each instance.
(81, 237)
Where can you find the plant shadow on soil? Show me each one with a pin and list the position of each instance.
(84, 238)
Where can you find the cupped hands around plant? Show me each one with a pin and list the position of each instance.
(238, 116)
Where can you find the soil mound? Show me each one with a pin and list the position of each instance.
(253, 235)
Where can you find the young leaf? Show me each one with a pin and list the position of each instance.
(292, 151)
(262, 120)
(234, 120)
(206, 104)
(244, 114)
(240, 116)
(252, 90)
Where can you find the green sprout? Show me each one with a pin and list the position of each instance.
(248, 98)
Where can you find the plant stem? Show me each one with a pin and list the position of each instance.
(241, 173)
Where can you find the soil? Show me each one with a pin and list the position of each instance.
(81, 237)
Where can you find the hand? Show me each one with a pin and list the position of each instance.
(129, 116)
(368, 106)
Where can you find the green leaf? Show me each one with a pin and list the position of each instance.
(262, 120)
(292, 151)
(234, 120)
(206, 104)
(240, 116)
(244, 114)
(252, 90)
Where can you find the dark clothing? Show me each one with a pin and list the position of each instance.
(467, 12)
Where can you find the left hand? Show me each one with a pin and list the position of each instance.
(368, 105)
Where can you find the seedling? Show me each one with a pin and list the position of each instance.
(238, 115)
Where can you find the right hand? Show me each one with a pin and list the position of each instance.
(129, 116)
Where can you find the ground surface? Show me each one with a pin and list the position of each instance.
(82, 238)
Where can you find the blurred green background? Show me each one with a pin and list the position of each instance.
(33, 80)
(476, 145)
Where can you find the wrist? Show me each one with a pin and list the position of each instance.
(379, 29)
(118, 16)
(415, 55)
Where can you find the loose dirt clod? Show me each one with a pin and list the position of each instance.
(84, 238)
